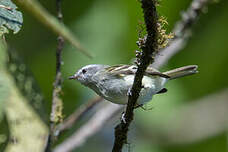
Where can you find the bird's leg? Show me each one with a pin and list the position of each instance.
(129, 92)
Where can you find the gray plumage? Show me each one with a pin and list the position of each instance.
(113, 82)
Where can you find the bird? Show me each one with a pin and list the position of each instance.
(113, 83)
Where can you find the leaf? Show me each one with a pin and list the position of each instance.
(27, 131)
(26, 83)
(9, 17)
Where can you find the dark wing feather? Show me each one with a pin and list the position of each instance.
(149, 73)
(153, 72)
(122, 70)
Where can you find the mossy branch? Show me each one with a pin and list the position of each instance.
(147, 56)
(57, 105)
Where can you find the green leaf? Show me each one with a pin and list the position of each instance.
(27, 130)
(9, 17)
(26, 83)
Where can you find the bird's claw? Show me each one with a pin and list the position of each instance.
(129, 92)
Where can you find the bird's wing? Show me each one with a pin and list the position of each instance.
(153, 72)
(122, 70)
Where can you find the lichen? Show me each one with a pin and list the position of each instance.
(163, 36)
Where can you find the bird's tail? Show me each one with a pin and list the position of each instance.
(182, 71)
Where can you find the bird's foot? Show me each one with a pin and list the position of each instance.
(129, 92)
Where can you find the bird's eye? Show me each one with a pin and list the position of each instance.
(83, 71)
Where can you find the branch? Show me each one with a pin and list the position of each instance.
(74, 117)
(56, 110)
(182, 32)
(150, 48)
(90, 128)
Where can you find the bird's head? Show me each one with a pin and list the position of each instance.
(85, 74)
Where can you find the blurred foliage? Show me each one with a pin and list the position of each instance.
(27, 131)
(26, 83)
(107, 29)
(42, 15)
(21, 126)
(4, 88)
(4, 134)
(4, 95)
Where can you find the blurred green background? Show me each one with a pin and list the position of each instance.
(108, 30)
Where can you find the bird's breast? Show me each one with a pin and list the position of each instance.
(151, 85)
(115, 90)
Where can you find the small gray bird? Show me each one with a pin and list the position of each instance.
(114, 82)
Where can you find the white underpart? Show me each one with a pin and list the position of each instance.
(151, 85)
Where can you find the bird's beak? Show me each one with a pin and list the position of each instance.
(73, 77)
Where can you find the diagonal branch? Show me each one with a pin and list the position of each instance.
(182, 32)
(90, 128)
(74, 117)
(148, 50)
